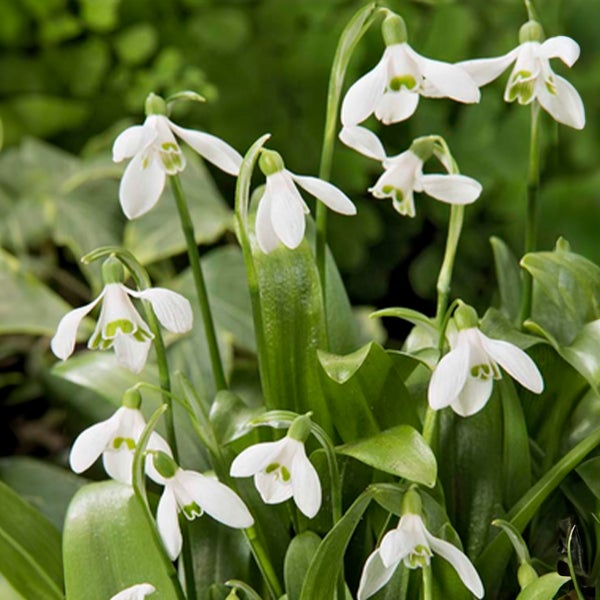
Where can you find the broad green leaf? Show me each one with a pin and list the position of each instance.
(322, 575)
(366, 392)
(508, 276)
(7, 592)
(298, 557)
(157, 234)
(412, 316)
(26, 304)
(109, 545)
(45, 486)
(30, 549)
(566, 291)
(515, 456)
(497, 326)
(589, 471)
(400, 451)
(544, 587)
(230, 417)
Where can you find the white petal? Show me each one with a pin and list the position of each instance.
(473, 396)
(565, 105)
(374, 576)
(131, 141)
(362, 97)
(451, 81)
(449, 377)
(362, 140)
(394, 107)
(271, 488)
(484, 70)
(141, 186)
(327, 193)
(118, 464)
(168, 523)
(216, 499)
(255, 458)
(305, 483)
(135, 592)
(212, 148)
(130, 353)
(263, 227)
(287, 209)
(91, 442)
(453, 189)
(562, 47)
(172, 309)
(462, 565)
(515, 362)
(395, 545)
(63, 342)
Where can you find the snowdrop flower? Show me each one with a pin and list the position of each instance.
(120, 325)
(465, 376)
(392, 89)
(282, 470)
(281, 210)
(193, 494)
(532, 78)
(413, 545)
(135, 592)
(116, 440)
(155, 154)
(403, 176)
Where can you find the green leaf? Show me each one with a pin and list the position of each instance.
(30, 549)
(589, 471)
(366, 392)
(298, 557)
(110, 545)
(323, 572)
(157, 234)
(544, 587)
(26, 304)
(230, 417)
(45, 486)
(508, 275)
(400, 451)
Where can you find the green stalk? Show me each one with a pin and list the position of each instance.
(533, 186)
(192, 250)
(264, 563)
(353, 32)
(427, 591)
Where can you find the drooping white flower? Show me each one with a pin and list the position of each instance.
(120, 325)
(135, 592)
(392, 88)
(193, 494)
(281, 210)
(464, 378)
(116, 440)
(532, 77)
(281, 471)
(413, 545)
(403, 176)
(155, 154)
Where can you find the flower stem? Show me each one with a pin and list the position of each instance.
(190, 239)
(427, 592)
(263, 562)
(533, 186)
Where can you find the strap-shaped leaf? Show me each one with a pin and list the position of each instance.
(30, 549)
(110, 545)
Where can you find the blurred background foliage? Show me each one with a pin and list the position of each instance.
(73, 73)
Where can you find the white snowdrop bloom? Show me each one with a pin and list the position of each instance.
(412, 544)
(464, 378)
(155, 154)
(280, 215)
(193, 494)
(120, 325)
(391, 90)
(116, 440)
(281, 471)
(532, 77)
(135, 592)
(403, 176)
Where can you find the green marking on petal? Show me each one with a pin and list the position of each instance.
(402, 81)
(123, 441)
(125, 325)
(141, 336)
(389, 190)
(272, 467)
(191, 511)
(285, 474)
(418, 558)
